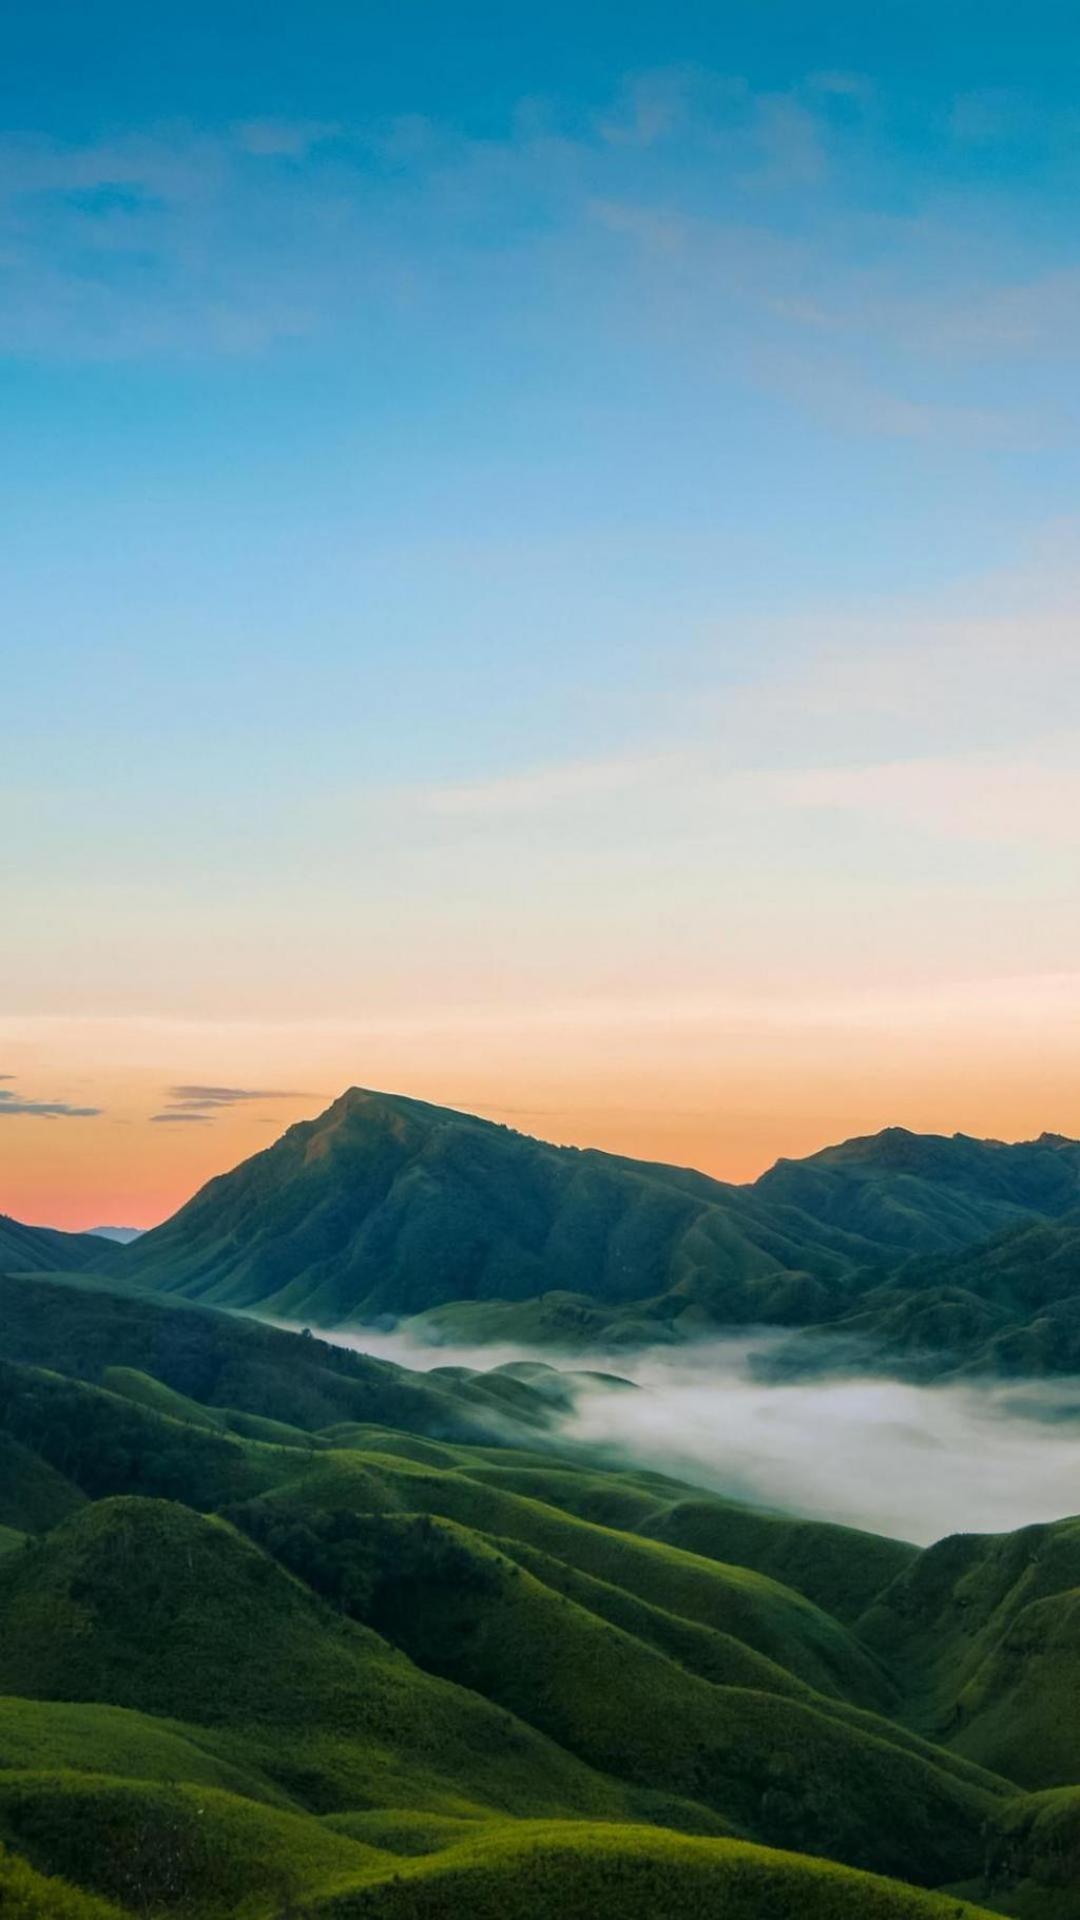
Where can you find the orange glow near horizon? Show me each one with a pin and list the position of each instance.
(728, 1093)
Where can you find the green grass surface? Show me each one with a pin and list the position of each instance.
(163, 1847)
(767, 1617)
(839, 1568)
(143, 1604)
(985, 1633)
(27, 1895)
(262, 1656)
(87, 1737)
(578, 1873)
(782, 1768)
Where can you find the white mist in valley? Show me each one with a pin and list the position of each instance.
(913, 1461)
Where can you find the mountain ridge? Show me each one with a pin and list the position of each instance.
(387, 1210)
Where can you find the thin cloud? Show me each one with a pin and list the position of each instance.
(177, 240)
(181, 1119)
(13, 1106)
(199, 1096)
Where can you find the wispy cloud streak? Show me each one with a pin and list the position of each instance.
(12, 1107)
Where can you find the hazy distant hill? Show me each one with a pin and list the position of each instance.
(387, 1209)
(43, 1249)
(122, 1235)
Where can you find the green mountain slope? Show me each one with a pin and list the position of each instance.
(925, 1193)
(44, 1250)
(142, 1604)
(985, 1630)
(292, 1632)
(1009, 1307)
(576, 1873)
(386, 1207)
(386, 1210)
(242, 1370)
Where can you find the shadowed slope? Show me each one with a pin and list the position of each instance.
(43, 1249)
(1010, 1307)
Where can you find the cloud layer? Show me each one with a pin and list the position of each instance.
(913, 1462)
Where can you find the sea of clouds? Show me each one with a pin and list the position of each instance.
(914, 1461)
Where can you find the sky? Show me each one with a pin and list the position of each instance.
(538, 569)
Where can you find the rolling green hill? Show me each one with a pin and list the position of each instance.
(44, 1250)
(284, 1630)
(1009, 1308)
(386, 1210)
(985, 1630)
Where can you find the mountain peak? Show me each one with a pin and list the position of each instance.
(385, 1207)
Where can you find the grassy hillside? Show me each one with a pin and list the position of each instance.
(26, 1895)
(928, 1193)
(840, 1568)
(238, 1367)
(577, 1873)
(264, 1653)
(985, 1631)
(43, 1250)
(788, 1769)
(33, 1495)
(1008, 1308)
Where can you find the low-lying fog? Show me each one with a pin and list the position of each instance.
(916, 1462)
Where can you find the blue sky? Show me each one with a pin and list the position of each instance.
(559, 510)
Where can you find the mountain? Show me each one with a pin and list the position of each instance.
(1008, 1308)
(269, 1644)
(122, 1235)
(43, 1249)
(929, 1193)
(387, 1210)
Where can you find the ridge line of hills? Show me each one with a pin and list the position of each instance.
(929, 1251)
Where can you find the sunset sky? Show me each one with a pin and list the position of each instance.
(538, 569)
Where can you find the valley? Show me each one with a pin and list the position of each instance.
(290, 1628)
